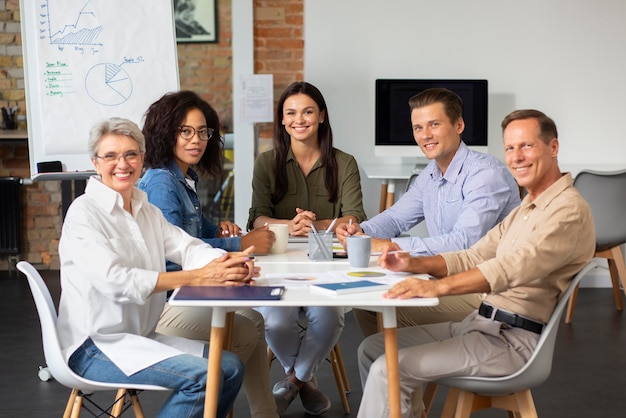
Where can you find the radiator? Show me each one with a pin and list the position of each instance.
(10, 216)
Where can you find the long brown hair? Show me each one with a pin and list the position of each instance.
(282, 142)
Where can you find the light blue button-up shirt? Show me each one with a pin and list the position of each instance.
(459, 207)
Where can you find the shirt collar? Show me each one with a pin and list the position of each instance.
(452, 173)
(543, 200)
(175, 168)
(108, 199)
(291, 157)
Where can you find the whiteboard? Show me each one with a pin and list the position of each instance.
(86, 60)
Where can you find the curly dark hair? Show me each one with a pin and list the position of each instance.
(282, 142)
(161, 123)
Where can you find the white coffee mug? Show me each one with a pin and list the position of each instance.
(359, 248)
(281, 232)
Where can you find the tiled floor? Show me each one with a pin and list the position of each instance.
(588, 375)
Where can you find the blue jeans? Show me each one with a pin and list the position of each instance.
(184, 374)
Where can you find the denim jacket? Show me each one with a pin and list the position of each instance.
(167, 188)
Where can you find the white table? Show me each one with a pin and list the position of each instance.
(295, 261)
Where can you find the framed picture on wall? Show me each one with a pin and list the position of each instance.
(195, 20)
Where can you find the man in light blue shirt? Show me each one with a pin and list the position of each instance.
(461, 194)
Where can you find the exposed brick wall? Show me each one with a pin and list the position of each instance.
(204, 68)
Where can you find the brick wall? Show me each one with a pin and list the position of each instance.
(204, 68)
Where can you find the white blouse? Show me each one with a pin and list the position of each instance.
(110, 261)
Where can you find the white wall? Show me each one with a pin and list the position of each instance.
(564, 57)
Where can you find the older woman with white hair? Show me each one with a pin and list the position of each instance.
(113, 248)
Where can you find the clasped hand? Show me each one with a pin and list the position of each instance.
(301, 223)
(231, 269)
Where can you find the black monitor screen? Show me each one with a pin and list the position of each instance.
(393, 118)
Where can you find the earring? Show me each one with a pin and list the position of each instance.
(322, 121)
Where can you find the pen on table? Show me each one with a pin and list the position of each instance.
(330, 227)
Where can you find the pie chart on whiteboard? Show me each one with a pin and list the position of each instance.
(108, 84)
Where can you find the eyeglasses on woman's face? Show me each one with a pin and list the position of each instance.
(188, 132)
(112, 158)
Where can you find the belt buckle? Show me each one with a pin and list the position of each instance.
(493, 311)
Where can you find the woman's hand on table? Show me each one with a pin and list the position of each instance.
(230, 269)
(262, 239)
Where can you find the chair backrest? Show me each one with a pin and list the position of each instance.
(538, 367)
(50, 339)
(606, 193)
(410, 181)
(48, 319)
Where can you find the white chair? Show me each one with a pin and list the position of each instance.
(81, 388)
(467, 394)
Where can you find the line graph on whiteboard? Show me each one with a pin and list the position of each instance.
(78, 33)
(71, 24)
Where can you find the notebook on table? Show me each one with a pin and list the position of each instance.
(229, 292)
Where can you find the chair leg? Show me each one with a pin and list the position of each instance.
(342, 368)
(526, 404)
(571, 304)
(118, 406)
(617, 294)
(449, 408)
(69, 408)
(616, 253)
(464, 404)
(429, 396)
(339, 378)
(134, 400)
(78, 405)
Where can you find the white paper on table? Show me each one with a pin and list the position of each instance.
(304, 279)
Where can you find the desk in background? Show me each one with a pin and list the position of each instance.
(388, 174)
(13, 136)
(295, 261)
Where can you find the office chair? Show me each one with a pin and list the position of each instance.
(467, 394)
(606, 193)
(82, 388)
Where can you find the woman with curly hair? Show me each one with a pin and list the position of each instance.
(182, 135)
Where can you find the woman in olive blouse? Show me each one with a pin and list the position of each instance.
(303, 181)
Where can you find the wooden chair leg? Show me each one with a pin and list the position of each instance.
(464, 405)
(78, 405)
(339, 379)
(449, 407)
(429, 396)
(620, 267)
(134, 400)
(571, 304)
(342, 368)
(526, 404)
(70, 404)
(118, 406)
(617, 294)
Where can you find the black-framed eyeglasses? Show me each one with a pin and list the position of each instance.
(188, 132)
(112, 158)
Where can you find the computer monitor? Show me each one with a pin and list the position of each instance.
(393, 132)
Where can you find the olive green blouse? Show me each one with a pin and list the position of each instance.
(306, 192)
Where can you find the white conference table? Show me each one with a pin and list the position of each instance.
(295, 261)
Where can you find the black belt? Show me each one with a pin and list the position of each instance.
(509, 318)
